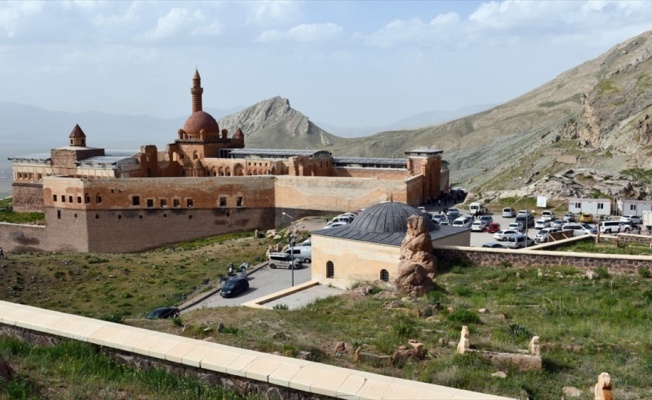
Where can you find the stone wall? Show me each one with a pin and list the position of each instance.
(27, 197)
(23, 238)
(541, 258)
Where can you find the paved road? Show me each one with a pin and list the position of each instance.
(261, 283)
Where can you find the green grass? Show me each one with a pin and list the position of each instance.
(607, 246)
(586, 326)
(638, 174)
(75, 370)
(7, 214)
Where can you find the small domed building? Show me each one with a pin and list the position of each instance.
(369, 248)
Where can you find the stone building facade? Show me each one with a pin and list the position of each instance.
(204, 183)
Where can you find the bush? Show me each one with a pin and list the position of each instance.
(644, 272)
(602, 272)
(519, 331)
(281, 307)
(464, 317)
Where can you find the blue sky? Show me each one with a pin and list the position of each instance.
(344, 63)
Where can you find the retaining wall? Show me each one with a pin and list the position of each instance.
(249, 372)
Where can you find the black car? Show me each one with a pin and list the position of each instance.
(234, 287)
(494, 245)
(164, 312)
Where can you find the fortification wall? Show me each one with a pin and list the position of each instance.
(376, 173)
(335, 194)
(27, 196)
(137, 230)
(159, 193)
(23, 238)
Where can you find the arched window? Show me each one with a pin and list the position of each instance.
(384, 275)
(330, 270)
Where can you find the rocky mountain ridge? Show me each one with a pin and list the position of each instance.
(273, 123)
(594, 117)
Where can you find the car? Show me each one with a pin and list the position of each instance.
(547, 215)
(631, 219)
(438, 218)
(542, 235)
(568, 217)
(526, 220)
(335, 224)
(509, 212)
(463, 222)
(586, 218)
(487, 219)
(444, 222)
(163, 312)
(234, 287)
(579, 229)
(493, 227)
(610, 226)
(557, 223)
(452, 213)
(422, 209)
(504, 234)
(519, 241)
(494, 245)
(522, 212)
(342, 218)
(478, 226)
(541, 223)
(517, 226)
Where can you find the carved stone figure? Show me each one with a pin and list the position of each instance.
(535, 349)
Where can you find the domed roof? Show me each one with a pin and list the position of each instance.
(388, 217)
(200, 120)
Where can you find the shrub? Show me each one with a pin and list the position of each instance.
(519, 331)
(464, 317)
(644, 272)
(463, 291)
(602, 272)
(280, 307)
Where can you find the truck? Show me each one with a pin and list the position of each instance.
(477, 208)
(647, 221)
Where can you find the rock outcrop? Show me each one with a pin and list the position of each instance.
(417, 267)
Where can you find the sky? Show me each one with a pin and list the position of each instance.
(343, 63)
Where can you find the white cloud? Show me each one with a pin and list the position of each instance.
(303, 33)
(272, 12)
(14, 14)
(118, 19)
(181, 20)
(414, 31)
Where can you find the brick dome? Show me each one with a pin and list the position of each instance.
(200, 120)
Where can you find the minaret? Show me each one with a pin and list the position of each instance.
(196, 92)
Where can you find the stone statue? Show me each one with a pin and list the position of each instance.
(534, 347)
(603, 387)
(464, 343)
(417, 267)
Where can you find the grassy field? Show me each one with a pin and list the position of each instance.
(586, 326)
(7, 214)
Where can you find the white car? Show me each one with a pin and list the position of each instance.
(542, 235)
(631, 219)
(509, 212)
(579, 229)
(478, 226)
(547, 215)
(522, 212)
(519, 241)
(335, 224)
(462, 222)
(541, 223)
(517, 226)
(505, 234)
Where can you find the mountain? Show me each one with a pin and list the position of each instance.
(415, 121)
(594, 117)
(273, 123)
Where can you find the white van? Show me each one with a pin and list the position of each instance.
(463, 222)
(509, 212)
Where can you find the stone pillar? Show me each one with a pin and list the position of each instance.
(603, 389)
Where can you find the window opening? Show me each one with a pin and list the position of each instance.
(135, 200)
(330, 270)
(150, 203)
(384, 275)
